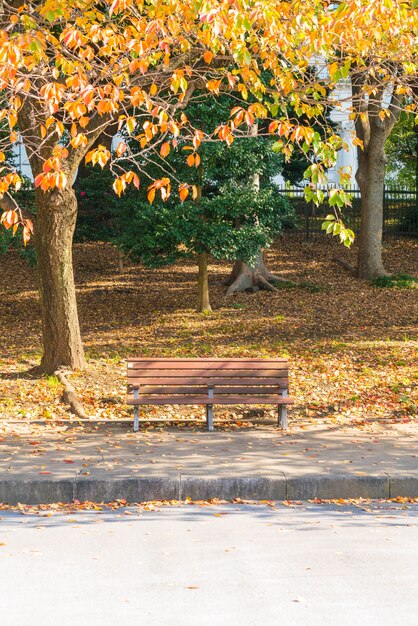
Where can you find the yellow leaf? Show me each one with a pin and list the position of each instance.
(12, 119)
(130, 124)
(119, 186)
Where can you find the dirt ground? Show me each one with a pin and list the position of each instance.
(352, 347)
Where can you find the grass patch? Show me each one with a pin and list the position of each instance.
(401, 280)
(52, 381)
(284, 284)
(279, 318)
(312, 287)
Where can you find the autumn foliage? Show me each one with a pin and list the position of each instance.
(70, 68)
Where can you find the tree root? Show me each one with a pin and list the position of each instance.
(263, 283)
(69, 395)
(352, 270)
(246, 278)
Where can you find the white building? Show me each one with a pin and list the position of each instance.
(347, 158)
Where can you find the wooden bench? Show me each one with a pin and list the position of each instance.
(208, 382)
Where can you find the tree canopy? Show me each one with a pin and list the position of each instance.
(68, 69)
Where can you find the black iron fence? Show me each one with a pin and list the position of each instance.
(400, 212)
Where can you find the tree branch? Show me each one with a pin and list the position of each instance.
(70, 396)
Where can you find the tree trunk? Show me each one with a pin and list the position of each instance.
(371, 179)
(55, 224)
(203, 303)
(246, 278)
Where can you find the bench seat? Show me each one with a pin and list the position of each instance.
(208, 381)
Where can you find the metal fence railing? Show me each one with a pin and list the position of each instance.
(400, 212)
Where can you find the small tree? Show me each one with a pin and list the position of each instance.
(230, 217)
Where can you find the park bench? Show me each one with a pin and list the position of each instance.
(208, 381)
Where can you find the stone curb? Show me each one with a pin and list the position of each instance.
(199, 487)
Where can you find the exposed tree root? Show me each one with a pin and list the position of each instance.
(352, 270)
(69, 395)
(246, 278)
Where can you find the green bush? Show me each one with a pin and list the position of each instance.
(401, 280)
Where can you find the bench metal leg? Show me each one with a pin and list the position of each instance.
(209, 416)
(136, 419)
(136, 410)
(282, 418)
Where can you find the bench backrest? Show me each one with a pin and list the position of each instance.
(193, 376)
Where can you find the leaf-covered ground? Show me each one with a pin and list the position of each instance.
(352, 347)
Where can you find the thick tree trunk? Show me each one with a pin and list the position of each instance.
(203, 303)
(55, 223)
(371, 180)
(246, 278)
(372, 129)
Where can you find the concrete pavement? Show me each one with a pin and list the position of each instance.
(226, 565)
(43, 464)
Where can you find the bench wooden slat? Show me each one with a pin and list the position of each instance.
(169, 390)
(146, 389)
(204, 381)
(207, 360)
(155, 380)
(201, 399)
(204, 373)
(208, 365)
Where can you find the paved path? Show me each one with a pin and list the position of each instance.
(227, 565)
(63, 463)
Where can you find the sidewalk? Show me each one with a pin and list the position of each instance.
(106, 462)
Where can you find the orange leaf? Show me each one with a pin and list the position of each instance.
(165, 149)
(208, 56)
(151, 195)
(184, 192)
